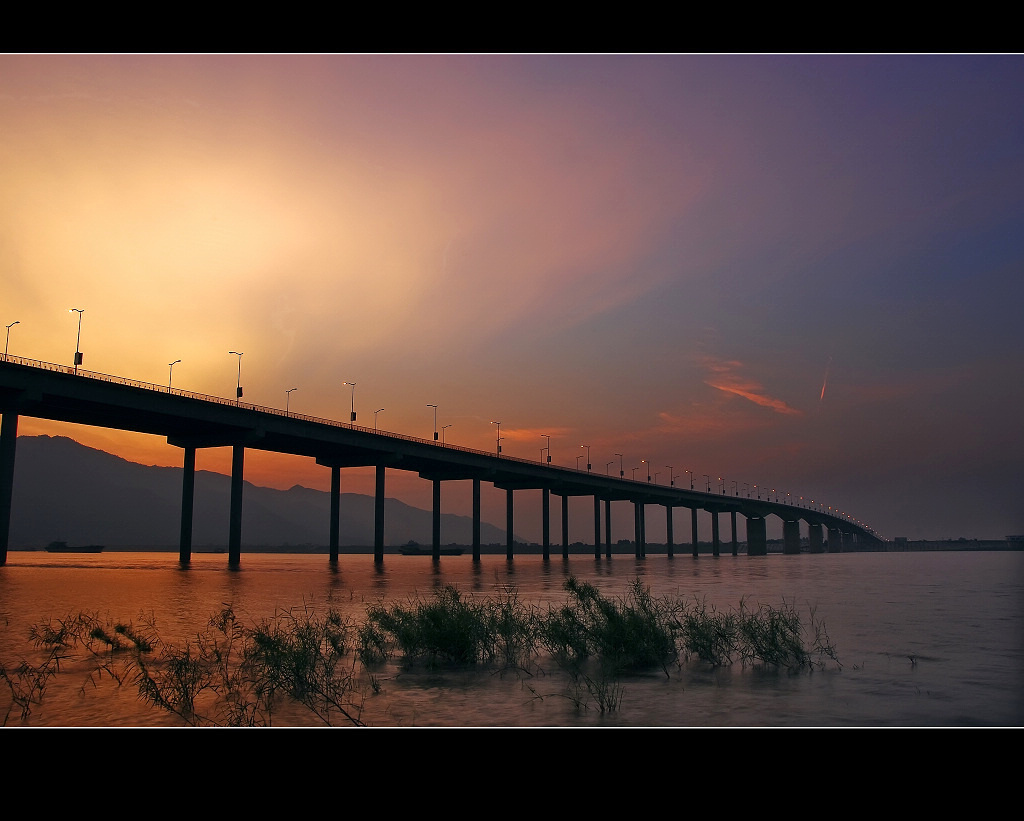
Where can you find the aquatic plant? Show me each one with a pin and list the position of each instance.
(234, 674)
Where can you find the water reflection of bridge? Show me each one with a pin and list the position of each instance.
(191, 421)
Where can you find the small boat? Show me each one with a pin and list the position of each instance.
(64, 547)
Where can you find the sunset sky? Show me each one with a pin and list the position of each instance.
(804, 273)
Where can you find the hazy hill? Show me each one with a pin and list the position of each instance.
(66, 491)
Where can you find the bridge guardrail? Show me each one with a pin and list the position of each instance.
(202, 397)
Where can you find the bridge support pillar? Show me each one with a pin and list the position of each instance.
(8, 446)
(814, 540)
(638, 530)
(597, 528)
(608, 528)
(565, 527)
(715, 540)
(235, 530)
(545, 513)
(509, 532)
(735, 541)
(188, 494)
(378, 517)
(757, 536)
(476, 520)
(335, 523)
(435, 532)
(693, 520)
(668, 531)
(835, 540)
(791, 537)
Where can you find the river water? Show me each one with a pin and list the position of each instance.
(923, 639)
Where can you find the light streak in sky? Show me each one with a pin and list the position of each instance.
(825, 381)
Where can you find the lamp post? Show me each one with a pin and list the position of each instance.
(607, 466)
(375, 420)
(78, 342)
(644, 462)
(442, 432)
(549, 445)
(288, 399)
(656, 477)
(707, 483)
(352, 409)
(238, 384)
(671, 476)
(691, 477)
(435, 419)
(588, 456)
(578, 461)
(16, 322)
(622, 473)
(633, 477)
(497, 445)
(170, 373)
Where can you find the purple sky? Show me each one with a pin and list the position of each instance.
(804, 273)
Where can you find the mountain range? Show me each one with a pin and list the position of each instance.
(65, 491)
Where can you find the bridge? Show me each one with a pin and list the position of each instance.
(190, 421)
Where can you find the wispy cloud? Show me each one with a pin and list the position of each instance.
(726, 376)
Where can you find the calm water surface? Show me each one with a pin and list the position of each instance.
(927, 639)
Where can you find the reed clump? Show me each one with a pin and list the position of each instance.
(235, 674)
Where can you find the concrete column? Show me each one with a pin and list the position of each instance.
(608, 528)
(735, 541)
(235, 530)
(335, 523)
(565, 527)
(637, 529)
(545, 513)
(378, 517)
(814, 540)
(8, 446)
(597, 528)
(476, 520)
(693, 519)
(643, 531)
(715, 540)
(668, 531)
(188, 493)
(791, 538)
(757, 536)
(509, 537)
(435, 535)
(835, 540)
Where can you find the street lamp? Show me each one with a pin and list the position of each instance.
(644, 462)
(78, 352)
(16, 322)
(707, 483)
(622, 473)
(442, 432)
(578, 461)
(656, 477)
(352, 416)
(375, 419)
(238, 385)
(170, 373)
(671, 476)
(288, 398)
(435, 419)
(498, 441)
(549, 445)
(691, 477)
(608, 465)
(588, 456)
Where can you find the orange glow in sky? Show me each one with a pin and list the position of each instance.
(653, 255)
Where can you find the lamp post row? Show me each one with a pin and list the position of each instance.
(352, 418)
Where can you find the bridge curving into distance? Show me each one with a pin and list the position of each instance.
(190, 421)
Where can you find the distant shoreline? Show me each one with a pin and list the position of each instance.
(704, 548)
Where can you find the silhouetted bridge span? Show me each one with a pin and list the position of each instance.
(191, 421)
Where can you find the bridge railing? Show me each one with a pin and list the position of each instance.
(202, 397)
